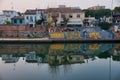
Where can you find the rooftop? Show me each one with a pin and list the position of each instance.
(18, 17)
(64, 10)
(33, 11)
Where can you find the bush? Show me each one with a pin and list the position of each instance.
(104, 25)
(8, 22)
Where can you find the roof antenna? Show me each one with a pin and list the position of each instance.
(12, 8)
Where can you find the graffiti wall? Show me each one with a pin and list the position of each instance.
(85, 33)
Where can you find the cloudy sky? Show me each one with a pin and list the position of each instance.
(22, 5)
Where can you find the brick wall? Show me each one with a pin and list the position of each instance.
(21, 31)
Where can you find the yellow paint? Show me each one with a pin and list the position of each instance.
(94, 47)
(94, 35)
(57, 46)
(57, 35)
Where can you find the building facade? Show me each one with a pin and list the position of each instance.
(31, 16)
(10, 14)
(18, 20)
(116, 18)
(73, 15)
(2, 19)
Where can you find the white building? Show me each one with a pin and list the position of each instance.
(75, 15)
(31, 16)
(10, 14)
(2, 19)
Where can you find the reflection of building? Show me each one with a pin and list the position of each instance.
(31, 57)
(65, 59)
(9, 58)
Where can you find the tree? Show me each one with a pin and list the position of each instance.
(65, 21)
(116, 10)
(98, 13)
(104, 25)
(39, 22)
(54, 18)
(8, 22)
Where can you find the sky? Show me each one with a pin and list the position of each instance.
(22, 5)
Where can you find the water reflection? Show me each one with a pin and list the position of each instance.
(61, 61)
(57, 54)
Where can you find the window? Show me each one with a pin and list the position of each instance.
(27, 17)
(15, 21)
(31, 25)
(78, 15)
(35, 17)
(63, 15)
(70, 16)
(31, 18)
(20, 21)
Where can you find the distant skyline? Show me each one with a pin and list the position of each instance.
(20, 5)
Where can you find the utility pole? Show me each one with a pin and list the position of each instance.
(111, 12)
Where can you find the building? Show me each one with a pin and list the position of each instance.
(10, 14)
(116, 18)
(18, 20)
(31, 16)
(62, 13)
(89, 21)
(2, 19)
(96, 7)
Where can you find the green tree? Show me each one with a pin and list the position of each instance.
(54, 18)
(8, 22)
(98, 13)
(39, 22)
(104, 25)
(65, 21)
(116, 10)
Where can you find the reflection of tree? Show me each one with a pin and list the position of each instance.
(104, 55)
(116, 58)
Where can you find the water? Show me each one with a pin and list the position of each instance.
(60, 61)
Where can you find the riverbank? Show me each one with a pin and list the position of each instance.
(47, 40)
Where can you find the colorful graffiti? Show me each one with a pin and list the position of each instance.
(57, 35)
(66, 35)
(94, 35)
(72, 35)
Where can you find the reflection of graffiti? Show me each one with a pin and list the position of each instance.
(73, 47)
(94, 47)
(57, 46)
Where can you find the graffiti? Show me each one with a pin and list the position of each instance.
(66, 35)
(94, 35)
(57, 35)
(72, 35)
